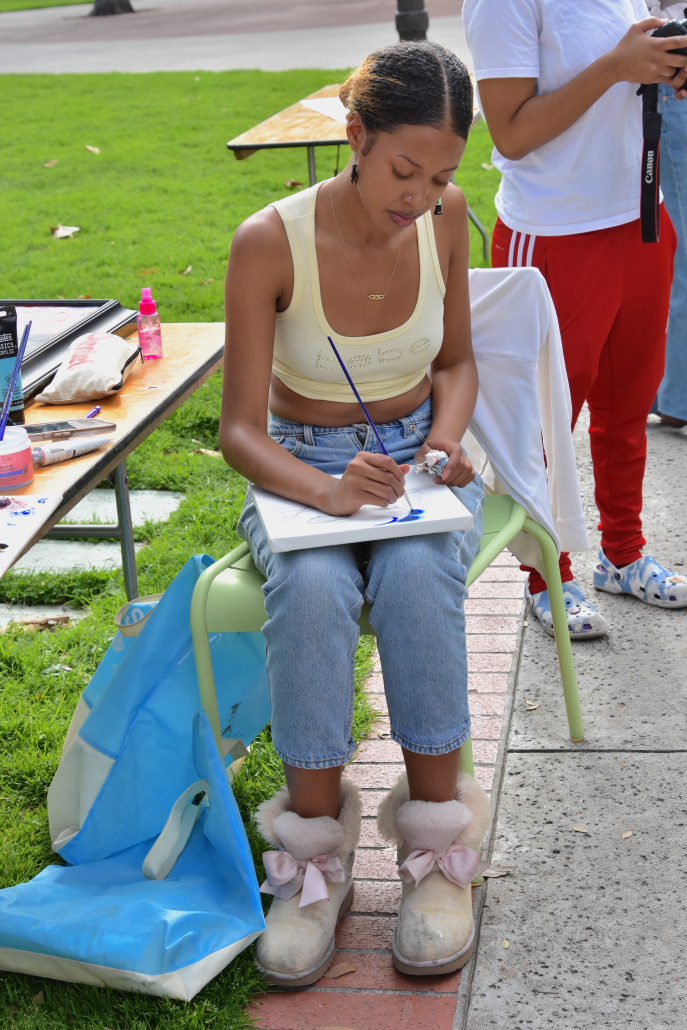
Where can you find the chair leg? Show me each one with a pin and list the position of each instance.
(560, 627)
(467, 765)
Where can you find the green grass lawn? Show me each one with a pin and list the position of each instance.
(163, 194)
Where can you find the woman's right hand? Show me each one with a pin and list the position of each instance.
(642, 58)
(368, 479)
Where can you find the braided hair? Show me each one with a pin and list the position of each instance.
(410, 83)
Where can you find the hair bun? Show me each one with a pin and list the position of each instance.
(410, 83)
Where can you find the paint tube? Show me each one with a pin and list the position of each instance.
(8, 354)
(51, 452)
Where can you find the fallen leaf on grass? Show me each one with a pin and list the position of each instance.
(206, 282)
(147, 271)
(580, 829)
(209, 453)
(340, 970)
(66, 668)
(197, 78)
(487, 167)
(38, 999)
(92, 150)
(496, 870)
(37, 623)
(187, 270)
(49, 164)
(506, 944)
(627, 834)
(84, 296)
(60, 232)
(292, 184)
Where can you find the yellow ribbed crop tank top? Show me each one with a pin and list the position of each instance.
(381, 366)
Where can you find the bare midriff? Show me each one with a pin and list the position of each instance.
(285, 403)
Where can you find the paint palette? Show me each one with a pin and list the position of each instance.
(291, 526)
(20, 518)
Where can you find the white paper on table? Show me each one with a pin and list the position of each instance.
(20, 520)
(330, 107)
(291, 526)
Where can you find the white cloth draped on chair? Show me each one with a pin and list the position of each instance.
(523, 406)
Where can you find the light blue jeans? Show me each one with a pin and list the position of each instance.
(672, 393)
(416, 588)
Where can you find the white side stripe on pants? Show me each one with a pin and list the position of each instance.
(520, 246)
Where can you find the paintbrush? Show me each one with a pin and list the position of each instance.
(4, 415)
(365, 411)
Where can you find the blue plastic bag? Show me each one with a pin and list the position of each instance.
(104, 923)
(134, 747)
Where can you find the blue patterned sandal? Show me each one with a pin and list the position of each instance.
(584, 621)
(645, 579)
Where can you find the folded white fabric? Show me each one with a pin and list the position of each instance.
(523, 407)
(96, 365)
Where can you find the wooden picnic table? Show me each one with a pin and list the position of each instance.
(295, 126)
(154, 389)
(299, 126)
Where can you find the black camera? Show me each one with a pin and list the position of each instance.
(674, 28)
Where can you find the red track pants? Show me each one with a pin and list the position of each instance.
(612, 296)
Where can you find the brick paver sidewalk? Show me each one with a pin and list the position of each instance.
(376, 996)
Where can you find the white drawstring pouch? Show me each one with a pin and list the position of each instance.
(96, 365)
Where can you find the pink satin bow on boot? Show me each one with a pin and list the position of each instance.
(286, 875)
(459, 864)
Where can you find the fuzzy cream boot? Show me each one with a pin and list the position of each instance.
(438, 856)
(311, 878)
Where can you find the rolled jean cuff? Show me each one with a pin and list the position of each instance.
(320, 763)
(432, 749)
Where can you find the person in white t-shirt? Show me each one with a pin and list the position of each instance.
(557, 85)
(671, 400)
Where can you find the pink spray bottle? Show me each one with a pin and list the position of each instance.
(148, 321)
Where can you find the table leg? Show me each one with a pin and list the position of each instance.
(126, 529)
(312, 171)
(482, 231)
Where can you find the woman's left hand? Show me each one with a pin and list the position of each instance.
(458, 471)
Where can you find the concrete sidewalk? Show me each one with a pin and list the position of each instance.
(594, 919)
(211, 35)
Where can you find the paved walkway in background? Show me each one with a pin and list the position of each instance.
(376, 996)
(211, 35)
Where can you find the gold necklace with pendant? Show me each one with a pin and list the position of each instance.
(370, 296)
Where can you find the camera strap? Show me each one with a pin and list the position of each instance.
(649, 199)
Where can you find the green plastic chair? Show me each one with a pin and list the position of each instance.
(228, 599)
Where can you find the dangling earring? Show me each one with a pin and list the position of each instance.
(437, 207)
(354, 170)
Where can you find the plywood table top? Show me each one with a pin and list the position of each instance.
(295, 126)
(298, 126)
(192, 352)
